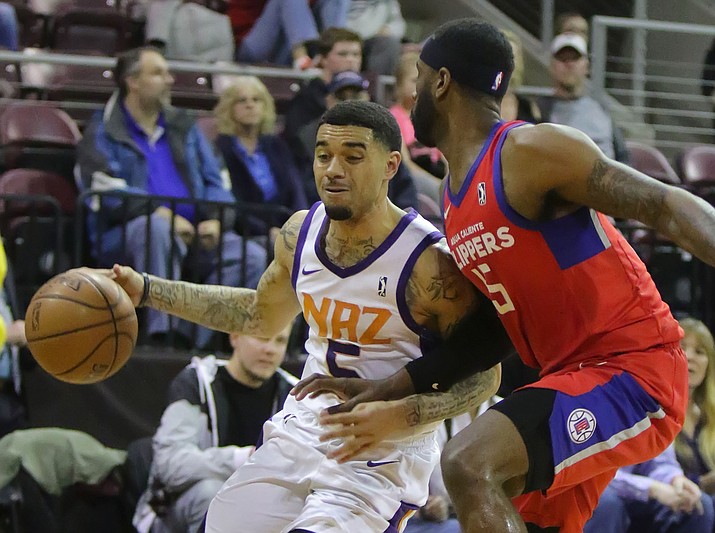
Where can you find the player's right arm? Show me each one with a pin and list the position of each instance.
(263, 312)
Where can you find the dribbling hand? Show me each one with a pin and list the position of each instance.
(130, 280)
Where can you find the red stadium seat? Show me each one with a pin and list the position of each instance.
(38, 136)
(192, 90)
(651, 161)
(82, 29)
(698, 165)
(36, 223)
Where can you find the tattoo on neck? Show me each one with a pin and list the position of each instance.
(348, 252)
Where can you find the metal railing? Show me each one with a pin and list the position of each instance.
(664, 93)
(35, 57)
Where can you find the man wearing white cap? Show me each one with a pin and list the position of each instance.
(570, 105)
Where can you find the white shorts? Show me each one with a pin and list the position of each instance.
(289, 484)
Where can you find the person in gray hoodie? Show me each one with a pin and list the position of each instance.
(216, 409)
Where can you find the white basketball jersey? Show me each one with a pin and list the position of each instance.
(360, 325)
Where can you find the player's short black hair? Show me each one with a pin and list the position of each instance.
(472, 45)
(366, 115)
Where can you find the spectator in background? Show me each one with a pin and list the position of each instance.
(654, 496)
(572, 22)
(12, 337)
(695, 444)
(571, 106)
(338, 50)
(429, 159)
(381, 26)
(259, 162)
(349, 85)
(213, 421)
(9, 32)
(513, 105)
(276, 31)
(140, 144)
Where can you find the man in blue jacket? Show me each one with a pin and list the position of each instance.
(141, 145)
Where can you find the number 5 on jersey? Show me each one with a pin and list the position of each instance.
(497, 289)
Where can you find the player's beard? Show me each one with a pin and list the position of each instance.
(423, 116)
(338, 212)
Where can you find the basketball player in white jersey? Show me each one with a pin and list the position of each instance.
(377, 286)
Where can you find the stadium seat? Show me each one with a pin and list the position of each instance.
(82, 29)
(38, 136)
(80, 83)
(32, 25)
(697, 167)
(36, 222)
(192, 90)
(651, 161)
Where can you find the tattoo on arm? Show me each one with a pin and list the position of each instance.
(289, 232)
(463, 396)
(217, 307)
(628, 197)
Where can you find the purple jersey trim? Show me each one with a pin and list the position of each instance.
(572, 238)
(600, 419)
(457, 199)
(426, 336)
(372, 257)
(399, 516)
(301, 242)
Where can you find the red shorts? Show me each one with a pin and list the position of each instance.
(623, 410)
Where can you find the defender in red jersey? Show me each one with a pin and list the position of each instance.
(522, 210)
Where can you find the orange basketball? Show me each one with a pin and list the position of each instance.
(81, 327)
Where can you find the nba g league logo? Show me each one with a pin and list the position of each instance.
(581, 425)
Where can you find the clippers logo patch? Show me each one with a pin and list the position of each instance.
(382, 286)
(497, 81)
(581, 425)
(482, 193)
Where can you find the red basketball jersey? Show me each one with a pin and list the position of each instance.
(569, 290)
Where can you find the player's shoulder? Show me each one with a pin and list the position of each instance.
(545, 138)
(288, 234)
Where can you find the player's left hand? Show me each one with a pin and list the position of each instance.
(317, 384)
(366, 427)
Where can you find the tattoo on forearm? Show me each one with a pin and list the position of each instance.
(217, 307)
(463, 396)
(627, 195)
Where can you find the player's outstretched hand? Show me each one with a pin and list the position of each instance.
(365, 427)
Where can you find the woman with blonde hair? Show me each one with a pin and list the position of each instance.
(258, 161)
(695, 445)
